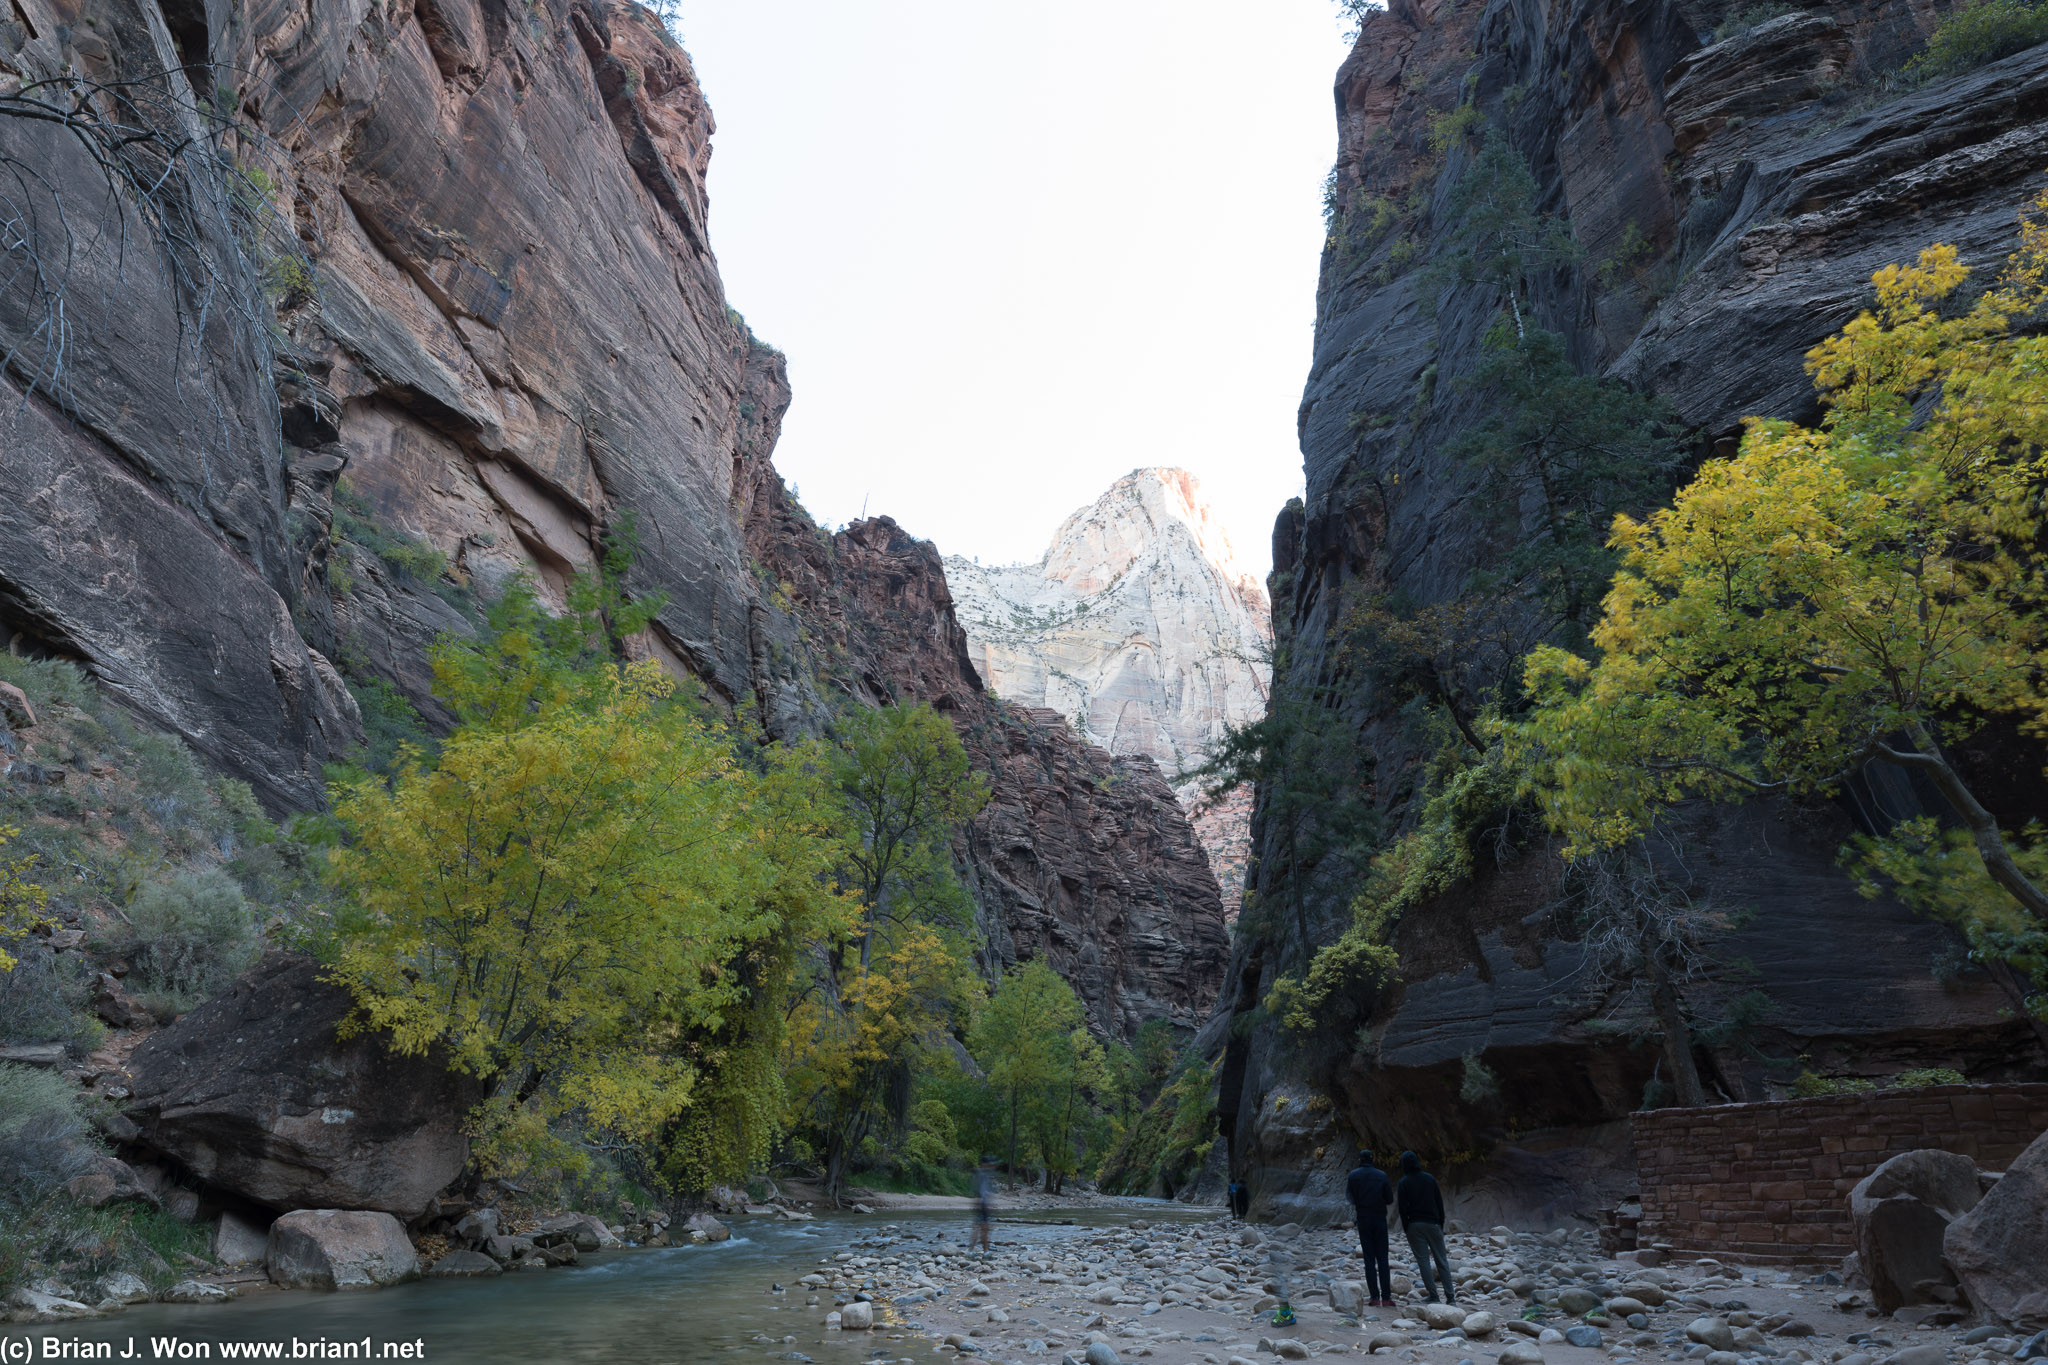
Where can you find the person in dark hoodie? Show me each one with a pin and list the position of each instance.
(1421, 1206)
(1371, 1192)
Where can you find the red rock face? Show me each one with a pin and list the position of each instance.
(1081, 858)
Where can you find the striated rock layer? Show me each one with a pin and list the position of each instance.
(1141, 627)
(1730, 198)
(442, 309)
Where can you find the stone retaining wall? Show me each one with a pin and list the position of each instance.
(1771, 1181)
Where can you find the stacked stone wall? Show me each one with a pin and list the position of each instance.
(1771, 1181)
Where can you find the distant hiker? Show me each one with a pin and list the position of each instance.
(1370, 1193)
(1240, 1200)
(1422, 1217)
(984, 1206)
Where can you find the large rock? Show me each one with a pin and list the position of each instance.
(1900, 1212)
(339, 1249)
(1999, 1249)
(240, 1241)
(108, 1180)
(254, 1094)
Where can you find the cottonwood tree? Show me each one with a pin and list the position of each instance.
(1863, 591)
(897, 787)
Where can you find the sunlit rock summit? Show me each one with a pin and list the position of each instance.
(1138, 624)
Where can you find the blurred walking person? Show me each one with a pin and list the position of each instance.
(1421, 1206)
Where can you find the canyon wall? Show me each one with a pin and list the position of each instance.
(1731, 177)
(338, 315)
(1139, 625)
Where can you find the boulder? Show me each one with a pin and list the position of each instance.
(240, 1241)
(476, 1227)
(339, 1249)
(1900, 1213)
(1477, 1325)
(122, 1288)
(1386, 1341)
(255, 1095)
(1348, 1296)
(108, 1180)
(505, 1248)
(1102, 1353)
(1520, 1353)
(34, 1305)
(1582, 1335)
(702, 1227)
(586, 1232)
(857, 1317)
(1711, 1332)
(1576, 1301)
(1998, 1248)
(197, 1291)
(15, 712)
(1442, 1317)
(463, 1265)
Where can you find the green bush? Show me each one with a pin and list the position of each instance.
(190, 936)
(49, 682)
(40, 1002)
(30, 1092)
(170, 780)
(1979, 32)
(1926, 1075)
(1747, 19)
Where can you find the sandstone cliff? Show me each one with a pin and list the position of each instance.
(1730, 193)
(1139, 625)
(339, 314)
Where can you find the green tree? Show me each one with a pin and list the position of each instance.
(1063, 1115)
(21, 900)
(1562, 452)
(1497, 234)
(905, 788)
(1023, 1039)
(1833, 596)
(884, 995)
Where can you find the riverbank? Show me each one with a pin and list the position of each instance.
(1194, 1290)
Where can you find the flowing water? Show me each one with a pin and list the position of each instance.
(628, 1307)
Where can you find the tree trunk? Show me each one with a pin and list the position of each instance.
(1677, 1036)
(1990, 843)
(1012, 1164)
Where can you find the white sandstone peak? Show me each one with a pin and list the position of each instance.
(1142, 627)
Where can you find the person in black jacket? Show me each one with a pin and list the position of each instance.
(1421, 1205)
(1371, 1192)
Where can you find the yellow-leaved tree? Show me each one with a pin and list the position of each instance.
(1867, 590)
(21, 900)
(583, 900)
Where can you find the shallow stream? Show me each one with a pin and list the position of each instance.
(672, 1304)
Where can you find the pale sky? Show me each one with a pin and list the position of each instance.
(1014, 251)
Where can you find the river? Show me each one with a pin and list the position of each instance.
(628, 1307)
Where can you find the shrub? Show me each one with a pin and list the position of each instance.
(1926, 1075)
(1973, 34)
(49, 682)
(1754, 16)
(172, 785)
(39, 1002)
(191, 936)
(40, 1131)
